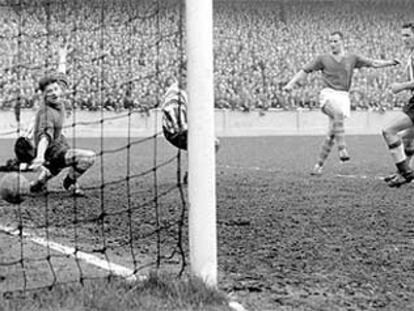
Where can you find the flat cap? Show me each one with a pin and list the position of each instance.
(52, 78)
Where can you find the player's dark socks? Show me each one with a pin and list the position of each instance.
(403, 167)
(409, 176)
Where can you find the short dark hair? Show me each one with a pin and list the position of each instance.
(408, 25)
(52, 78)
(337, 32)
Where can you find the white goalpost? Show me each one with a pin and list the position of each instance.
(201, 136)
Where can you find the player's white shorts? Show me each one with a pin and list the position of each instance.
(337, 101)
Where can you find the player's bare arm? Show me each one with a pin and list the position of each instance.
(398, 87)
(301, 75)
(62, 53)
(378, 63)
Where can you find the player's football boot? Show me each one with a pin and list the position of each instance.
(344, 156)
(401, 179)
(390, 177)
(38, 186)
(317, 170)
(73, 187)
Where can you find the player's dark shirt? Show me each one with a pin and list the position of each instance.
(337, 74)
(49, 121)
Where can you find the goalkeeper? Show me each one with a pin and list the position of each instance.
(174, 117)
(24, 149)
(51, 151)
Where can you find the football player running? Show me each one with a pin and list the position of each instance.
(402, 124)
(337, 69)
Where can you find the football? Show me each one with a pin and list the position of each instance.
(14, 187)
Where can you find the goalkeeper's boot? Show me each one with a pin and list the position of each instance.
(38, 186)
(344, 156)
(401, 179)
(317, 170)
(73, 187)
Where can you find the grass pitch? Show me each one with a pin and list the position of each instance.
(286, 240)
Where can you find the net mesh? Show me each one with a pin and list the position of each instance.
(119, 53)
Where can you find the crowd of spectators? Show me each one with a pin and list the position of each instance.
(121, 52)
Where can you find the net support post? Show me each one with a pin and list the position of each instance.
(201, 151)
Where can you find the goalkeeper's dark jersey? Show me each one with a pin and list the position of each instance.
(49, 121)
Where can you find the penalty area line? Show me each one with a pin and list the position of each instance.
(118, 270)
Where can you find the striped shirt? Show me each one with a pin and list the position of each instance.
(174, 109)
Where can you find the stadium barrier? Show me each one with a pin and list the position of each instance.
(228, 123)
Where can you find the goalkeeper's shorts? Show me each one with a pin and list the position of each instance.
(55, 155)
(178, 140)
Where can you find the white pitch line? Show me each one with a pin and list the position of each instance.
(351, 176)
(126, 273)
(248, 168)
(259, 169)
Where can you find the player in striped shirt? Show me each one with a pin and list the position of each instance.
(403, 123)
(174, 117)
(174, 114)
(337, 68)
